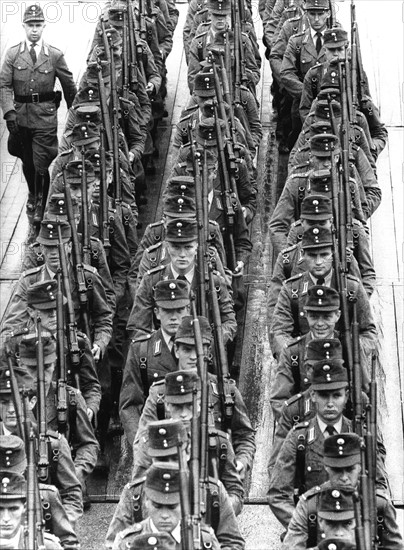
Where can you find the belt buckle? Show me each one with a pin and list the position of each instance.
(35, 97)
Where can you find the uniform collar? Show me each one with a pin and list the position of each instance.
(166, 337)
(323, 425)
(175, 533)
(327, 278)
(189, 276)
(38, 45)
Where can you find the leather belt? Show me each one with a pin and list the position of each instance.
(35, 98)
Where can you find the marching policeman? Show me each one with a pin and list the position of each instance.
(151, 356)
(30, 105)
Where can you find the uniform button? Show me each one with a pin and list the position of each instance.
(46, 72)
(309, 468)
(301, 314)
(32, 80)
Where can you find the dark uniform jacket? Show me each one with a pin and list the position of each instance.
(130, 511)
(242, 433)
(55, 517)
(304, 531)
(289, 320)
(141, 317)
(100, 313)
(19, 76)
(290, 27)
(148, 360)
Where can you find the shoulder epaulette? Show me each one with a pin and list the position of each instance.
(294, 341)
(135, 528)
(299, 174)
(53, 434)
(295, 277)
(31, 271)
(155, 224)
(135, 482)
(154, 247)
(141, 337)
(311, 492)
(155, 269)
(67, 152)
(90, 268)
(300, 33)
(293, 399)
(352, 278)
(204, 33)
(159, 382)
(289, 248)
(47, 487)
(95, 239)
(52, 48)
(315, 67)
(190, 113)
(301, 425)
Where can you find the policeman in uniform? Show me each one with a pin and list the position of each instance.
(79, 432)
(162, 502)
(99, 312)
(181, 236)
(289, 318)
(299, 465)
(29, 104)
(342, 462)
(61, 469)
(13, 493)
(151, 356)
(14, 461)
(242, 431)
(163, 437)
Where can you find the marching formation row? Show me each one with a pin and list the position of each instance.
(107, 332)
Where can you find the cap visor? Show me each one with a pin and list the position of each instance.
(336, 516)
(170, 451)
(185, 398)
(162, 498)
(51, 242)
(321, 308)
(324, 216)
(329, 386)
(173, 304)
(191, 341)
(342, 462)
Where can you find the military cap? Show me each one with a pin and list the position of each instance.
(320, 127)
(319, 184)
(151, 541)
(316, 207)
(91, 74)
(335, 37)
(164, 436)
(89, 113)
(181, 230)
(171, 293)
(219, 7)
(333, 92)
(331, 76)
(162, 483)
(204, 84)
(322, 298)
(74, 171)
(329, 375)
(99, 54)
(323, 145)
(27, 349)
(323, 348)
(185, 333)
(114, 36)
(336, 503)
(95, 158)
(48, 232)
(12, 486)
(85, 133)
(181, 185)
(33, 13)
(322, 109)
(179, 206)
(206, 131)
(180, 386)
(342, 450)
(42, 295)
(57, 205)
(24, 379)
(316, 237)
(316, 5)
(12, 454)
(116, 14)
(89, 95)
(336, 544)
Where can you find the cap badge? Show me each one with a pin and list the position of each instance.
(167, 476)
(320, 292)
(172, 286)
(152, 540)
(316, 231)
(336, 494)
(326, 368)
(180, 378)
(162, 431)
(340, 441)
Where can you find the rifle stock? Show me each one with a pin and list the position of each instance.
(61, 403)
(43, 458)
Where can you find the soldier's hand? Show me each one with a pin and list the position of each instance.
(239, 269)
(96, 351)
(131, 156)
(150, 88)
(12, 127)
(236, 504)
(240, 469)
(90, 414)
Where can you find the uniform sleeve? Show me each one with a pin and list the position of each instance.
(282, 323)
(289, 70)
(227, 532)
(66, 79)
(61, 527)
(282, 217)
(227, 315)
(364, 258)
(141, 459)
(232, 481)
(83, 440)
(370, 185)
(274, 17)
(367, 327)
(280, 493)
(89, 383)
(6, 84)
(193, 62)
(283, 427)
(307, 96)
(283, 384)
(119, 256)
(131, 398)
(17, 313)
(105, 273)
(277, 52)
(122, 518)
(243, 434)
(277, 280)
(141, 316)
(391, 537)
(101, 314)
(297, 533)
(68, 483)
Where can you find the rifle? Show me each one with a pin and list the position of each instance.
(15, 391)
(115, 134)
(105, 39)
(187, 540)
(106, 123)
(61, 403)
(125, 57)
(223, 377)
(201, 264)
(332, 19)
(142, 21)
(133, 50)
(72, 341)
(370, 446)
(229, 198)
(77, 263)
(43, 439)
(84, 214)
(357, 374)
(104, 217)
(359, 82)
(359, 529)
